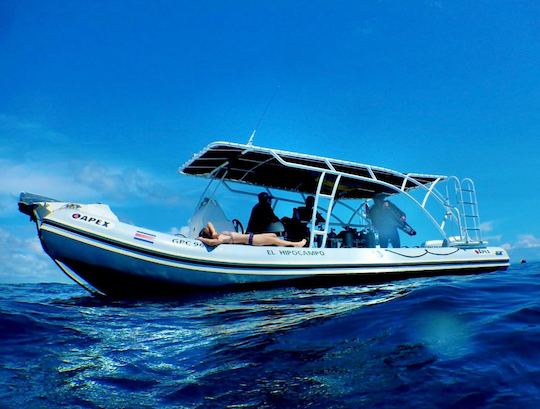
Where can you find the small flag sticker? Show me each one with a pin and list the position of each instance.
(146, 237)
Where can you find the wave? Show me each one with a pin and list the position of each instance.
(432, 342)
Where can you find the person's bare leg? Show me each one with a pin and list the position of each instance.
(286, 243)
(270, 239)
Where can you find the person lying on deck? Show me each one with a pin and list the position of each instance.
(211, 237)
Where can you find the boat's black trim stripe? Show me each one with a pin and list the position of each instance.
(164, 256)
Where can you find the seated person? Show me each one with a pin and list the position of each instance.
(262, 214)
(211, 237)
(305, 213)
(298, 226)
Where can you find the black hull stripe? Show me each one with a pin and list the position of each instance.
(164, 256)
(120, 284)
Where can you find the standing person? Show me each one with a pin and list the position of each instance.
(262, 214)
(211, 237)
(386, 217)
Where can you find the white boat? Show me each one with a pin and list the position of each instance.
(109, 257)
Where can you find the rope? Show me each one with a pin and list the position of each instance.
(422, 255)
(405, 255)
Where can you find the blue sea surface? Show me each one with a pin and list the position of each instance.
(446, 342)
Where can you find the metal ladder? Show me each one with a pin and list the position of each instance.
(331, 198)
(468, 205)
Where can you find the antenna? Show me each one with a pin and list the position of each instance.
(252, 137)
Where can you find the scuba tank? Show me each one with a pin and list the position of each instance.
(332, 239)
(348, 236)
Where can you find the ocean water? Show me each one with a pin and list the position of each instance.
(446, 342)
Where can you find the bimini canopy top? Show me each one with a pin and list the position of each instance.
(271, 168)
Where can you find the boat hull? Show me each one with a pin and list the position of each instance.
(113, 258)
(118, 283)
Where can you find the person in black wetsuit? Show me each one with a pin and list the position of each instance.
(301, 220)
(386, 217)
(262, 215)
(305, 213)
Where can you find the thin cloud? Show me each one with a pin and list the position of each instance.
(39, 177)
(78, 182)
(124, 183)
(70, 180)
(52, 181)
(527, 247)
(527, 241)
(487, 227)
(524, 241)
(85, 180)
(495, 238)
(23, 260)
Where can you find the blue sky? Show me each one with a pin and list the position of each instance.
(101, 101)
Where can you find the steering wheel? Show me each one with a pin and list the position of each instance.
(238, 227)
